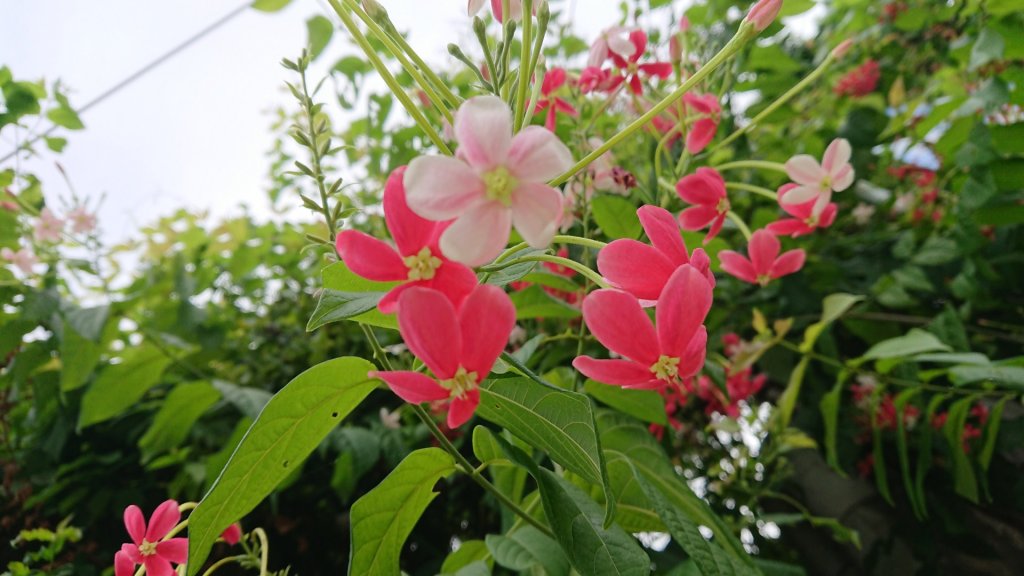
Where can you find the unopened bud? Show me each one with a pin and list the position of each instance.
(764, 13)
(373, 9)
(841, 50)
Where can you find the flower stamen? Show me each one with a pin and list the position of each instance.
(499, 185)
(461, 383)
(666, 368)
(423, 265)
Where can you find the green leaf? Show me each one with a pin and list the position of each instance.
(534, 302)
(924, 450)
(291, 425)
(335, 306)
(833, 307)
(787, 401)
(383, 518)
(347, 296)
(319, 30)
(516, 271)
(616, 216)
(1011, 377)
(469, 552)
(88, 322)
(989, 442)
(633, 509)
(270, 5)
(881, 471)
(989, 47)
(830, 416)
(901, 447)
(179, 411)
(64, 115)
(647, 405)
(528, 548)
(965, 481)
(916, 341)
(794, 7)
(559, 422)
(119, 386)
(936, 250)
(56, 144)
(78, 356)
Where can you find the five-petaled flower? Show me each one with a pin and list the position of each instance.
(495, 182)
(149, 546)
(705, 189)
(765, 263)
(418, 261)
(49, 227)
(630, 68)
(651, 358)
(614, 40)
(553, 80)
(458, 346)
(818, 181)
(803, 220)
(643, 270)
(82, 221)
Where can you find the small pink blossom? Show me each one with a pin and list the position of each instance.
(49, 227)
(496, 181)
(706, 190)
(554, 79)
(593, 78)
(82, 221)
(630, 68)
(818, 181)
(708, 112)
(803, 220)
(22, 259)
(148, 546)
(392, 420)
(651, 357)
(862, 213)
(615, 40)
(232, 534)
(417, 261)
(765, 264)
(764, 13)
(643, 270)
(459, 347)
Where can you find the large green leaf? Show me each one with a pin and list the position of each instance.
(179, 411)
(646, 405)
(347, 296)
(120, 386)
(916, 341)
(528, 549)
(559, 422)
(1009, 376)
(468, 553)
(78, 356)
(383, 518)
(319, 30)
(291, 425)
(616, 216)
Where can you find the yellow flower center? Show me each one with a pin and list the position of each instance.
(499, 185)
(723, 206)
(147, 548)
(811, 221)
(826, 182)
(422, 265)
(461, 383)
(666, 368)
(764, 279)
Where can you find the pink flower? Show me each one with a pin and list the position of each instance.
(860, 81)
(515, 8)
(232, 534)
(764, 13)
(82, 221)
(705, 189)
(495, 182)
(553, 80)
(765, 263)
(818, 181)
(459, 347)
(614, 40)
(630, 69)
(650, 358)
(148, 546)
(704, 129)
(23, 259)
(643, 270)
(417, 261)
(804, 221)
(49, 227)
(594, 78)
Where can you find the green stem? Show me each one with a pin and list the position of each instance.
(525, 66)
(739, 224)
(314, 151)
(779, 102)
(754, 164)
(743, 35)
(759, 190)
(378, 351)
(388, 78)
(223, 562)
(572, 264)
(264, 550)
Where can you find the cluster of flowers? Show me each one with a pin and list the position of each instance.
(860, 81)
(153, 544)
(48, 229)
(923, 202)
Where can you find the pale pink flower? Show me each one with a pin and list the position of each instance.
(818, 181)
(614, 40)
(148, 546)
(49, 227)
(459, 347)
(496, 181)
(515, 8)
(392, 420)
(764, 13)
(650, 357)
(23, 259)
(82, 221)
(803, 220)
(765, 264)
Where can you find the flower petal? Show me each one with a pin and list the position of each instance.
(413, 387)
(788, 263)
(617, 321)
(615, 372)
(157, 566)
(123, 565)
(369, 257)
(479, 235)
(706, 187)
(789, 227)
(842, 179)
(455, 280)
(828, 216)
(410, 231)
(682, 307)
(702, 133)
(135, 523)
(461, 409)
(663, 230)
(697, 217)
(429, 326)
(132, 552)
(174, 550)
(836, 155)
(537, 155)
(483, 128)
(763, 249)
(660, 69)
(440, 188)
(486, 320)
(635, 267)
(696, 351)
(804, 169)
(536, 213)
(800, 195)
(165, 517)
(735, 264)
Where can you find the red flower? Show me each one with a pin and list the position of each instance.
(765, 264)
(148, 546)
(418, 260)
(232, 534)
(860, 81)
(630, 69)
(553, 80)
(708, 111)
(593, 78)
(804, 221)
(706, 189)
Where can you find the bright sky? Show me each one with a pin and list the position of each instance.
(193, 132)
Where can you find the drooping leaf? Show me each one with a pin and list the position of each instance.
(383, 518)
(833, 306)
(988, 446)
(900, 403)
(347, 296)
(965, 481)
(319, 30)
(178, 412)
(1011, 377)
(78, 356)
(120, 386)
(527, 549)
(829, 405)
(916, 341)
(291, 425)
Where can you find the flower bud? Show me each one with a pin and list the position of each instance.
(841, 50)
(764, 13)
(373, 9)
